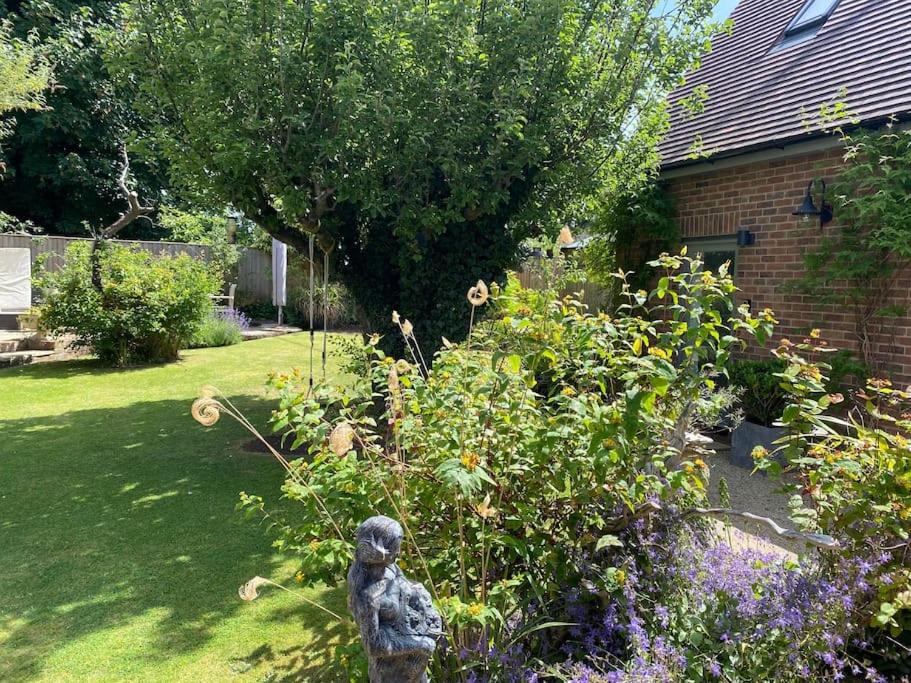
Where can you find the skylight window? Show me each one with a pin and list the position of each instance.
(812, 15)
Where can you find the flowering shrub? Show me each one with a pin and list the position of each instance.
(518, 460)
(553, 503)
(854, 475)
(222, 328)
(144, 309)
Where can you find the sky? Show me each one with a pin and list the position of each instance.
(724, 9)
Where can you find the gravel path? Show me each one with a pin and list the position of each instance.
(754, 493)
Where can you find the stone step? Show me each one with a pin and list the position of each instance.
(14, 358)
(11, 345)
(35, 344)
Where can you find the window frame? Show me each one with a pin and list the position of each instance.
(800, 28)
(715, 243)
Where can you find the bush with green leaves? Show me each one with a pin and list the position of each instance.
(859, 260)
(202, 228)
(761, 393)
(853, 476)
(519, 458)
(220, 329)
(146, 309)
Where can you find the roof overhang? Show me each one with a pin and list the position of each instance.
(769, 151)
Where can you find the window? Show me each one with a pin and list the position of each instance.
(715, 251)
(811, 17)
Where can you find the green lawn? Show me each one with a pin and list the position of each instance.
(120, 549)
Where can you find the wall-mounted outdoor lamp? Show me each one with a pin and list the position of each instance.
(745, 238)
(808, 211)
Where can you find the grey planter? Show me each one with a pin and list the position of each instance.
(749, 435)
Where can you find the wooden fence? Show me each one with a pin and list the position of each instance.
(594, 296)
(254, 268)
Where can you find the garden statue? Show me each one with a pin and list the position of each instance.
(398, 624)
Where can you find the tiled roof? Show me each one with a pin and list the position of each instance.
(759, 95)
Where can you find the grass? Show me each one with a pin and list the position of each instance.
(121, 548)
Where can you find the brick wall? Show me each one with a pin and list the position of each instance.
(760, 196)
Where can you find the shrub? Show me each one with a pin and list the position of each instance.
(147, 307)
(762, 395)
(341, 311)
(551, 504)
(853, 479)
(518, 460)
(224, 328)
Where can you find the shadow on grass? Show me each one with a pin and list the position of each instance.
(121, 517)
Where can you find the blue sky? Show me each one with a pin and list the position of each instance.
(724, 9)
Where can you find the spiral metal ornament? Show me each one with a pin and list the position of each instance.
(479, 294)
(206, 411)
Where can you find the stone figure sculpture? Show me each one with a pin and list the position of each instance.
(398, 624)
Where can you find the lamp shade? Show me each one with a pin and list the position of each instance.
(808, 208)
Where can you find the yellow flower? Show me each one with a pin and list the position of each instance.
(475, 609)
(708, 278)
(470, 461)
(814, 333)
(760, 453)
(658, 352)
(407, 328)
(568, 391)
(621, 576)
(395, 317)
(314, 545)
(299, 577)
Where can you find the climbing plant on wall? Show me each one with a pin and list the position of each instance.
(859, 261)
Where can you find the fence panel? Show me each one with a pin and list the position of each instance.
(254, 267)
(593, 295)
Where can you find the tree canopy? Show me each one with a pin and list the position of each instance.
(24, 76)
(63, 160)
(421, 141)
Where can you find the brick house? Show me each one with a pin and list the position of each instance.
(742, 165)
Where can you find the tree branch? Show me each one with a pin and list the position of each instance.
(651, 507)
(134, 208)
(818, 540)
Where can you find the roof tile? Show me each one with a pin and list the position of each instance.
(761, 95)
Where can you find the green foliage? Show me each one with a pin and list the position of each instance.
(201, 228)
(762, 396)
(340, 312)
(24, 75)
(215, 331)
(518, 455)
(424, 141)
(856, 265)
(629, 230)
(855, 473)
(846, 372)
(63, 160)
(147, 308)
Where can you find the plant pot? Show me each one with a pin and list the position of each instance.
(749, 435)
